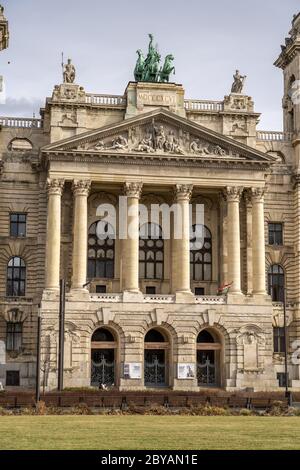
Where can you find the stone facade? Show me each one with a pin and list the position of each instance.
(155, 147)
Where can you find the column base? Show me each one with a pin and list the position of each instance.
(133, 296)
(50, 293)
(235, 298)
(184, 297)
(79, 294)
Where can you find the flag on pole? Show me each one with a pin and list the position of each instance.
(224, 289)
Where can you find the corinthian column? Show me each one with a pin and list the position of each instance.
(130, 252)
(181, 243)
(54, 188)
(233, 195)
(258, 241)
(81, 190)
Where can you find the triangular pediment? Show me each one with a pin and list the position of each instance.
(159, 133)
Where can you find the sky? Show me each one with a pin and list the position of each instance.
(209, 41)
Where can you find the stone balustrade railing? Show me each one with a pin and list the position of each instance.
(211, 299)
(105, 100)
(203, 105)
(274, 136)
(159, 298)
(106, 297)
(30, 123)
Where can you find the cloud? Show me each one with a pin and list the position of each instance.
(24, 107)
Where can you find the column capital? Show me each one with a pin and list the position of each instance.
(55, 186)
(133, 189)
(257, 194)
(81, 187)
(233, 193)
(183, 192)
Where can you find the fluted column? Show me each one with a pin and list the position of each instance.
(258, 241)
(130, 252)
(181, 246)
(81, 190)
(54, 188)
(233, 195)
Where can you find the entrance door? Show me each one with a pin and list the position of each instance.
(206, 368)
(103, 367)
(156, 354)
(155, 368)
(103, 358)
(208, 359)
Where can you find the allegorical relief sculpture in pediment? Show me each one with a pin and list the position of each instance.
(159, 138)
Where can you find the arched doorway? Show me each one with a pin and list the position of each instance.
(208, 359)
(155, 359)
(103, 358)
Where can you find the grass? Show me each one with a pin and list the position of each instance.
(148, 432)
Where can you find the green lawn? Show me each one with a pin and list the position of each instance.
(148, 432)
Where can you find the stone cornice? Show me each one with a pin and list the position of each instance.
(156, 160)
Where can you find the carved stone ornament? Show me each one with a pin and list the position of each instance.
(133, 189)
(257, 194)
(81, 187)
(183, 192)
(233, 193)
(55, 186)
(157, 138)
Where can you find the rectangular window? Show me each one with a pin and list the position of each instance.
(282, 379)
(18, 225)
(100, 289)
(279, 342)
(199, 291)
(12, 378)
(275, 233)
(14, 336)
(150, 290)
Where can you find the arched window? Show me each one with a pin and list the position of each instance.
(151, 252)
(276, 282)
(156, 359)
(103, 357)
(201, 253)
(16, 277)
(101, 250)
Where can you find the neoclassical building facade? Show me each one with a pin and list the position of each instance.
(147, 311)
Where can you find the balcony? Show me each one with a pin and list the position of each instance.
(159, 299)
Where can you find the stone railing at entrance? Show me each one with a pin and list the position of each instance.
(106, 100)
(203, 105)
(274, 136)
(21, 122)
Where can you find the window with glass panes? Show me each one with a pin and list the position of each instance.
(18, 225)
(275, 233)
(14, 336)
(151, 252)
(276, 283)
(279, 340)
(101, 250)
(16, 277)
(200, 254)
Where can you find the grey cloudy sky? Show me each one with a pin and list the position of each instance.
(209, 39)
